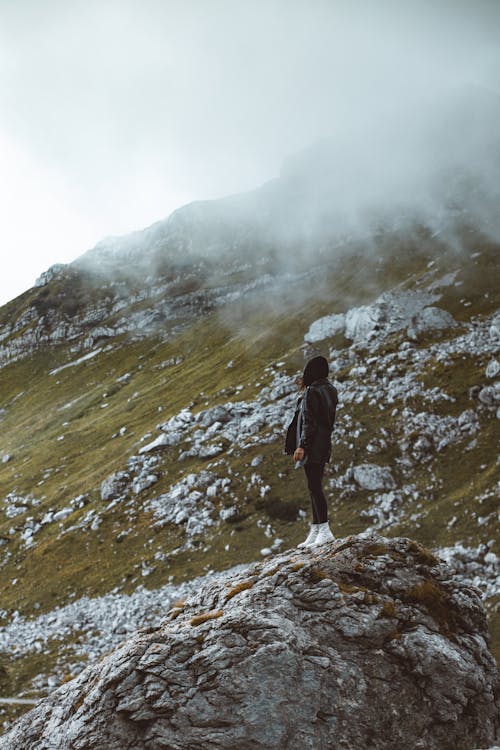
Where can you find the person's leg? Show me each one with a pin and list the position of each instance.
(314, 473)
(314, 528)
(311, 495)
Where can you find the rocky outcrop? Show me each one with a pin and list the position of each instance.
(391, 312)
(363, 643)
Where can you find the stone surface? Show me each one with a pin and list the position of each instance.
(367, 642)
(325, 327)
(493, 369)
(373, 477)
(430, 319)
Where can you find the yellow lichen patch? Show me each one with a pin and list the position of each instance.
(238, 588)
(297, 567)
(199, 619)
(179, 603)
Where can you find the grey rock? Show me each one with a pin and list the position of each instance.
(226, 513)
(50, 274)
(334, 647)
(468, 421)
(325, 327)
(493, 368)
(208, 451)
(143, 482)
(422, 447)
(215, 414)
(373, 477)
(114, 485)
(430, 319)
(489, 396)
(161, 441)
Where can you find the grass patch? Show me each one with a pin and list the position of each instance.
(388, 610)
(243, 586)
(436, 601)
(200, 619)
(421, 555)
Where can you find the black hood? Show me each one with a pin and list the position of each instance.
(316, 368)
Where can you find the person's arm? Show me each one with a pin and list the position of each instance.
(309, 424)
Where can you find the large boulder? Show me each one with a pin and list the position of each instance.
(373, 477)
(364, 643)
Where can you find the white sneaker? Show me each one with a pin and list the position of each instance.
(313, 533)
(323, 536)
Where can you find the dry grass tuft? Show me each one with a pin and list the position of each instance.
(422, 555)
(349, 588)
(436, 600)
(315, 575)
(199, 619)
(388, 610)
(238, 588)
(375, 550)
(272, 571)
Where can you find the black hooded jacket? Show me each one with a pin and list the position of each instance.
(313, 421)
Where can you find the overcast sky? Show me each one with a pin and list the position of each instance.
(115, 112)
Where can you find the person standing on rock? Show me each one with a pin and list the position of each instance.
(308, 439)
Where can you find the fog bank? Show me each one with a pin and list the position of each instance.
(121, 112)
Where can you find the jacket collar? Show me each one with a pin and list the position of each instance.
(320, 381)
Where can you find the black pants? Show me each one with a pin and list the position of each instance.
(314, 474)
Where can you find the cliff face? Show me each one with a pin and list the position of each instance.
(364, 643)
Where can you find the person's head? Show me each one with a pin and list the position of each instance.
(316, 368)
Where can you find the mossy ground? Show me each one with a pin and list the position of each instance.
(88, 405)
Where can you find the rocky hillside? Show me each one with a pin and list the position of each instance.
(354, 626)
(144, 390)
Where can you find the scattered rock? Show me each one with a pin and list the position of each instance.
(489, 396)
(60, 515)
(114, 485)
(227, 513)
(493, 369)
(430, 319)
(143, 482)
(373, 477)
(161, 441)
(325, 328)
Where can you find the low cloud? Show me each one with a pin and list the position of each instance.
(140, 107)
